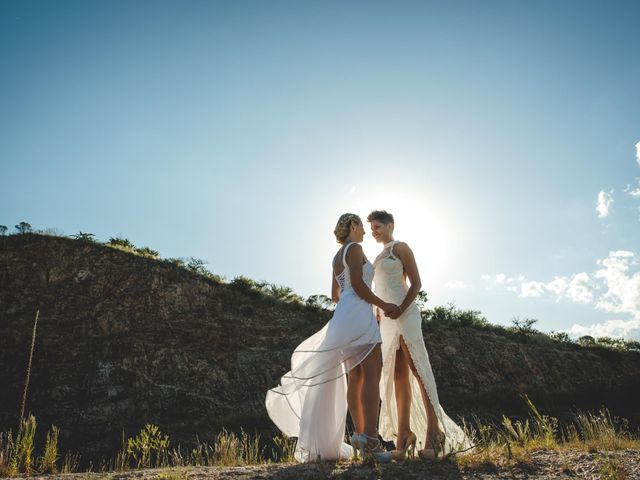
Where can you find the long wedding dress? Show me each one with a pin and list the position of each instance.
(390, 286)
(311, 401)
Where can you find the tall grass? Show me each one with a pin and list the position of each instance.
(50, 455)
(507, 442)
(29, 363)
(511, 441)
(16, 454)
(600, 431)
(7, 447)
(21, 459)
(149, 448)
(284, 449)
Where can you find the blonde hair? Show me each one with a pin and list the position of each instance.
(343, 227)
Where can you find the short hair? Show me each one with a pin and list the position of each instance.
(381, 216)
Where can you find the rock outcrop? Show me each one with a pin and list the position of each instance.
(123, 340)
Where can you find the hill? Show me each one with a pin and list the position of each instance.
(123, 340)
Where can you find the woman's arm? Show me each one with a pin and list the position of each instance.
(404, 253)
(355, 258)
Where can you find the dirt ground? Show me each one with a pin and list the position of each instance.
(623, 464)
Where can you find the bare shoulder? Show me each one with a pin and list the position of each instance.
(355, 247)
(401, 247)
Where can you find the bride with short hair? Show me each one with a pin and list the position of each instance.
(410, 408)
(311, 401)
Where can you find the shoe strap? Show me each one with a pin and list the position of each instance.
(378, 445)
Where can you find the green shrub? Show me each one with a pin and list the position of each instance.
(286, 294)
(84, 237)
(178, 261)
(243, 283)
(421, 300)
(23, 227)
(524, 326)
(587, 341)
(562, 337)
(197, 265)
(148, 252)
(613, 343)
(320, 301)
(120, 242)
(451, 316)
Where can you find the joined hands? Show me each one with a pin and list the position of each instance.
(391, 310)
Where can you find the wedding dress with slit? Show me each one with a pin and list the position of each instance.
(390, 286)
(311, 401)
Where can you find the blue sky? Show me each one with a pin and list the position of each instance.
(238, 132)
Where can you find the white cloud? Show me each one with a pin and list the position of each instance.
(604, 203)
(558, 285)
(623, 289)
(531, 289)
(635, 192)
(580, 288)
(457, 284)
(501, 277)
(485, 277)
(614, 287)
(628, 329)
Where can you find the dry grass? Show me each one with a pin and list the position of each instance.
(511, 442)
(50, 457)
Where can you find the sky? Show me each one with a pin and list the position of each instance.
(504, 136)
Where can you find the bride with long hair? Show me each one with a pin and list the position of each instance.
(337, 367)
(410, 408)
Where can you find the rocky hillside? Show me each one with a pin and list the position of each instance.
(123, 340)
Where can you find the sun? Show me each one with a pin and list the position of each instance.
(418, 222)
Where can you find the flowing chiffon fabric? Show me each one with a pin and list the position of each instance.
(390, 286)
(311, 401)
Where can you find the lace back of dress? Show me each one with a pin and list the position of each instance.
(343, 278)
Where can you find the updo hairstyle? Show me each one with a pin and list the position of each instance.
(343, 227)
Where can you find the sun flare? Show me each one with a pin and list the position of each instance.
(417, 222)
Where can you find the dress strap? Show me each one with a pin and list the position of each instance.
(344, 254)
(391, 248)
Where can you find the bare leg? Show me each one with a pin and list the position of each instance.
(355, 380)
(372, 368)
(432, 420)
(402, 387)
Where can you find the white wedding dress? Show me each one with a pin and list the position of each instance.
(390, 286)
(311, 401)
